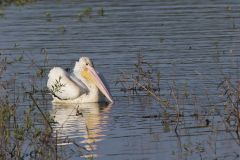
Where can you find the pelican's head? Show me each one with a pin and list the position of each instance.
(84, 62)
(86, 69)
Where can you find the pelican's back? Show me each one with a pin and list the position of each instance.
(61, 85)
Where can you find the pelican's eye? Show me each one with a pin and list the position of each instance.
(87, 64)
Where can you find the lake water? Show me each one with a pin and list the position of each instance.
(189, 42)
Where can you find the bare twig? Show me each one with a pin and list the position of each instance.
(35, 103)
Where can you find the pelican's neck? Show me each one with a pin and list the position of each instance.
(83, 80)
(93, 94)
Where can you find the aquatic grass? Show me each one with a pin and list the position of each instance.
(21, 135)
(16, 2)
(141, 79)
(86, 12)
(48, 16)
(145, 79)
(231, 94)
(173, 116)
(2, 13)
(62, 29)
(101, 12)
(57, 87)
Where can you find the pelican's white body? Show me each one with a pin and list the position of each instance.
(75, 89)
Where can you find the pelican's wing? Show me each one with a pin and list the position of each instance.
(84, 88)
(62, 85)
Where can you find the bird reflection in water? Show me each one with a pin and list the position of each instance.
(80, 125)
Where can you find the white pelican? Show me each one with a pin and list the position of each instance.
(84, 85)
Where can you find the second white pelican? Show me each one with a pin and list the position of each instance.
(84, 85)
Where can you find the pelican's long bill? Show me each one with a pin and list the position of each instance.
(98, 82)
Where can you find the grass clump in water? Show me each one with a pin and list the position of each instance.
(15, 2)
(231, 94)
(143, 79)
(87, 12)
(101, 12)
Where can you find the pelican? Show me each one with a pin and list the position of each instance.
(84, 85)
